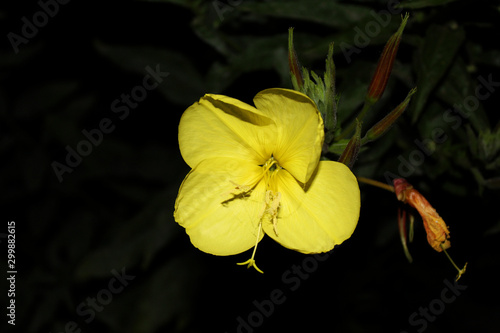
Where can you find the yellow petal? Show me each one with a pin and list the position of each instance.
(219, 218)
(299, 127)
(324, 215)
(220, 126)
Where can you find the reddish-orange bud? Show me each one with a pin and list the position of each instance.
(385, 63)
(351, 151)
(438, 234)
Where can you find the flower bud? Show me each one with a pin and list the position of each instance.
(351, 151)
(383, 125)
(384, 66)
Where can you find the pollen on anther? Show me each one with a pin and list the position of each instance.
(271, 208)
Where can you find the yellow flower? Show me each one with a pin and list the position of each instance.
(256, 171)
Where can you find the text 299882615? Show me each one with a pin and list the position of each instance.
(11, 272)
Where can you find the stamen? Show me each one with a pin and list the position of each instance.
(240, 188)
(251, 262)
(239, 191)
(273, 204)
(273, 197)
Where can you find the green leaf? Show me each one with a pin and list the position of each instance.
(329, 13)
(354, 81)
(338, 147)
(436, 56)
(136, 241)
(183, 86)
(492, 183)
(9, 60)
(252, 54)
(480, 55)
(329, 96)
(44, 98)
(423, 3)
(456, 88)
(495, 229)
(158, 298)
(183, 3)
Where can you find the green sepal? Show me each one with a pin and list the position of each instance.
(351, 151)
(386, 123)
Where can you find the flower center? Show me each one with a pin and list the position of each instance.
(271, 169)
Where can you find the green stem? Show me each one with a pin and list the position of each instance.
(376, 183)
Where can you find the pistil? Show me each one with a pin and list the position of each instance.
(270, 205)
(251, 262)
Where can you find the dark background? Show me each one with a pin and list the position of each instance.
(114, 210)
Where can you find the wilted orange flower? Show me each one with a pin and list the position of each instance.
(437, 231)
